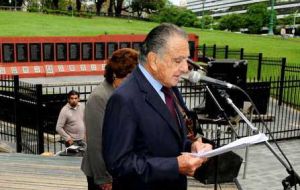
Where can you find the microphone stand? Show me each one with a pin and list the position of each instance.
(218, 136)
(293, 179)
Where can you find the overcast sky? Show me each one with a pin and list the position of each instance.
(175, 2)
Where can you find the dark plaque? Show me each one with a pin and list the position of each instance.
(48, 52)
(8, 52)
(61, 52)
(22, 52)
(111, 47)
(124, 44)
(35, 52)
(136, 46)
(74, 51)
(99, 51)
(87, 49)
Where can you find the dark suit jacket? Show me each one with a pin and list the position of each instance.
(141, 140)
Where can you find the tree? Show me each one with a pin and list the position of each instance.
(208, 21)
(148, 6)
(78, 5)
(175, 15)
(256, 17)
(99, 4)
(55, 4)
(115, 6)
(232, 22)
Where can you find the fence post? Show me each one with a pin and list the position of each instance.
(39, 125)
(283, 64)
(203, 51)
(226, 52)
(17, 114)
(214, 51)
(260, 55)
(242, 53)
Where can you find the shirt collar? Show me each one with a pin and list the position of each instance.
(154, 83)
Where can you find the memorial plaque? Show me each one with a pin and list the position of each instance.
(87, 49)
(74, 53)
(37, 69)
(48, 52)
(61, 68)
(61, 52)
(111, 47)
(99, 51)
(136, 46)
(124, 44)
(8, 52)
(22, 50)
(35, 52)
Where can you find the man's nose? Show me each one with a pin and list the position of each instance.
(184, 67)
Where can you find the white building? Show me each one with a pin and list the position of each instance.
(218, 8)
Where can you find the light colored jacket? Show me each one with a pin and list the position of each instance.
(92, 163)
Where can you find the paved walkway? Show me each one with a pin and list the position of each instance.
(19, 171)
(264, 171)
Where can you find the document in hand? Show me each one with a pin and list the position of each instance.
(240, 143)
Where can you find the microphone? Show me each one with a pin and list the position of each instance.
(195, 77)
(195, 65)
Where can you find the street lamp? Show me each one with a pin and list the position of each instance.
(294, 24)
(271, 19)
(202, 23)
(9, 4)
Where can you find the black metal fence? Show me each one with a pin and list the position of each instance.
(29, 112)
(258, 65)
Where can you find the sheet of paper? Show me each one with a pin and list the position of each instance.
(240, 143)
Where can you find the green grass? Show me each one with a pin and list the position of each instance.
(36, 24)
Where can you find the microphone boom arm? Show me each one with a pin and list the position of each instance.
(293, 178)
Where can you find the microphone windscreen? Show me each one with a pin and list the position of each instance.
(194, 76)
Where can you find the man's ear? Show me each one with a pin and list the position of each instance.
(152, 60)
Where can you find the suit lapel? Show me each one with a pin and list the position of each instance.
(154, 100)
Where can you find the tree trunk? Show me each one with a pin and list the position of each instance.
(118, 9)
(55, 4)
(98, 6)
(111, 7)
(78, 5)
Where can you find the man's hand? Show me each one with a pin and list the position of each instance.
(69, 142)
(188, 164)
(199, 146)
(106, 186)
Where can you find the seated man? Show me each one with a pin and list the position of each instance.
(70, 124)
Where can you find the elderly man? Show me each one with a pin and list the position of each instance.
(143, 132)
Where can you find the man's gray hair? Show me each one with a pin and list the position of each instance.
(157, 39)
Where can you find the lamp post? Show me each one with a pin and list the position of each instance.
(202, 23)
(9, 4)
(271, 23)
(294, 23)
(15, 5)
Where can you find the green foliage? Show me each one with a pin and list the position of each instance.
(232, 22)
(205, 21)
(256, 17)
(141, 6)
(288, 20)
(175, 15)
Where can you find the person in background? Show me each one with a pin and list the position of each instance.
(143, 131)
(70, 125)
(122, 62)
